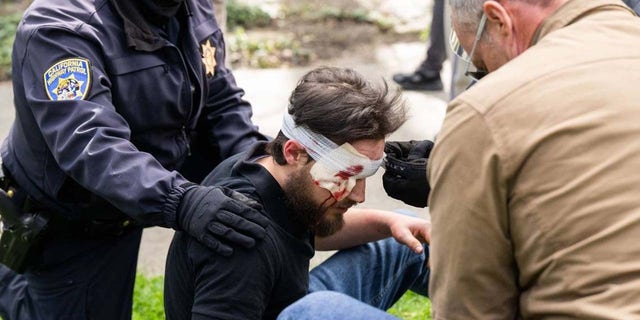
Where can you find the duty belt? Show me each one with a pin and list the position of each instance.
(63, 228)
(25, 222)
(89, 221)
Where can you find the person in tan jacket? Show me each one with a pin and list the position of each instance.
(535, 175)
(534, 178)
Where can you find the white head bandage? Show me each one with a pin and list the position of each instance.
(337, 167)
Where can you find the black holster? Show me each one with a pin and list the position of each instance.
(26, 221)
(21, 231)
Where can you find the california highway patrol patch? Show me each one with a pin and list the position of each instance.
(68, 79)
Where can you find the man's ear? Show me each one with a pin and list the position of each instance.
(294, 153)
(498, 17)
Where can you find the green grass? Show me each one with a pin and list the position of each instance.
(412, 307)
(148, 303)
(148, 298)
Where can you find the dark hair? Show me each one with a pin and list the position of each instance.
(341, 105)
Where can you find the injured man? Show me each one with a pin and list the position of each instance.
(307, 181)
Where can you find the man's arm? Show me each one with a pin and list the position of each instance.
(367, 225)
(91, 143)
(474, 275)
(227, 116)
(89, 139)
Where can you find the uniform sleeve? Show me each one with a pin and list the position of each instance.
(236, 287)
(88, 139)
(227, 116)
(633, 4)
(473, 270)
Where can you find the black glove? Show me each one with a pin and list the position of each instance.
(215, 215)
(405, 176)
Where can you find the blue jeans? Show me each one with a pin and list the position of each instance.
(360, 282)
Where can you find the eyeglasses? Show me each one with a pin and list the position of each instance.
(457, 48)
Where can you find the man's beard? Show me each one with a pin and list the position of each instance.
(305, 212)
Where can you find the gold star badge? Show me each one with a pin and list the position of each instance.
(209, 57)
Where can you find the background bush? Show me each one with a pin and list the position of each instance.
(8, 24)
(247, 17)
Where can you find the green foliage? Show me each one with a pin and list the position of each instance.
(266, 53)
(148, 301)
(425, 34)
(241, 15)
(8, 25)
(412, 307)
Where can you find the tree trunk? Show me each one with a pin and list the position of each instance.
(220, 8)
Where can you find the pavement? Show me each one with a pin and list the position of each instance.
(268, 90)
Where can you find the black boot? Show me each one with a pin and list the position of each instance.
(427, 81)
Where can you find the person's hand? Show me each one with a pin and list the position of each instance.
(405, 176)
(217, 215)
(411, 231)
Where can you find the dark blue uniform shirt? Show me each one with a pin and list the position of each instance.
(101, 123)
(254, 283)
(633, 4)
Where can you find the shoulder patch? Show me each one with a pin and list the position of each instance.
(68, 79)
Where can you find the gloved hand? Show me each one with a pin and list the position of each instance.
(405, 176)
(215, 215)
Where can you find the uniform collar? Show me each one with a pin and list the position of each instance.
(139, 32)
(570, 12)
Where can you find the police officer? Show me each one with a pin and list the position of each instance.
(121, 108)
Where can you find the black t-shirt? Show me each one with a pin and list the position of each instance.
(254, 283)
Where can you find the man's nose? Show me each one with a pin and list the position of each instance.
(357, 193)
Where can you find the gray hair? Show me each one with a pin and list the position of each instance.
(467, 12)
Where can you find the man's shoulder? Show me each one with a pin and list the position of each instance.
(231, 173)
(201, 259)
(223, 171)
(89, 18)
(559, 60)
(59, 12)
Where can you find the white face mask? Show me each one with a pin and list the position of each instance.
(336, 168)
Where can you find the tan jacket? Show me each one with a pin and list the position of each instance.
(535, 178)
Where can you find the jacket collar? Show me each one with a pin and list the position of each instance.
(571, 12)
(273, 197)
(139, 32)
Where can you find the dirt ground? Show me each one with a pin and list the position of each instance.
(332, 37)
(334, 29)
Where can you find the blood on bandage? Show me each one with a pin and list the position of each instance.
(339, 194)
(350, 172)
